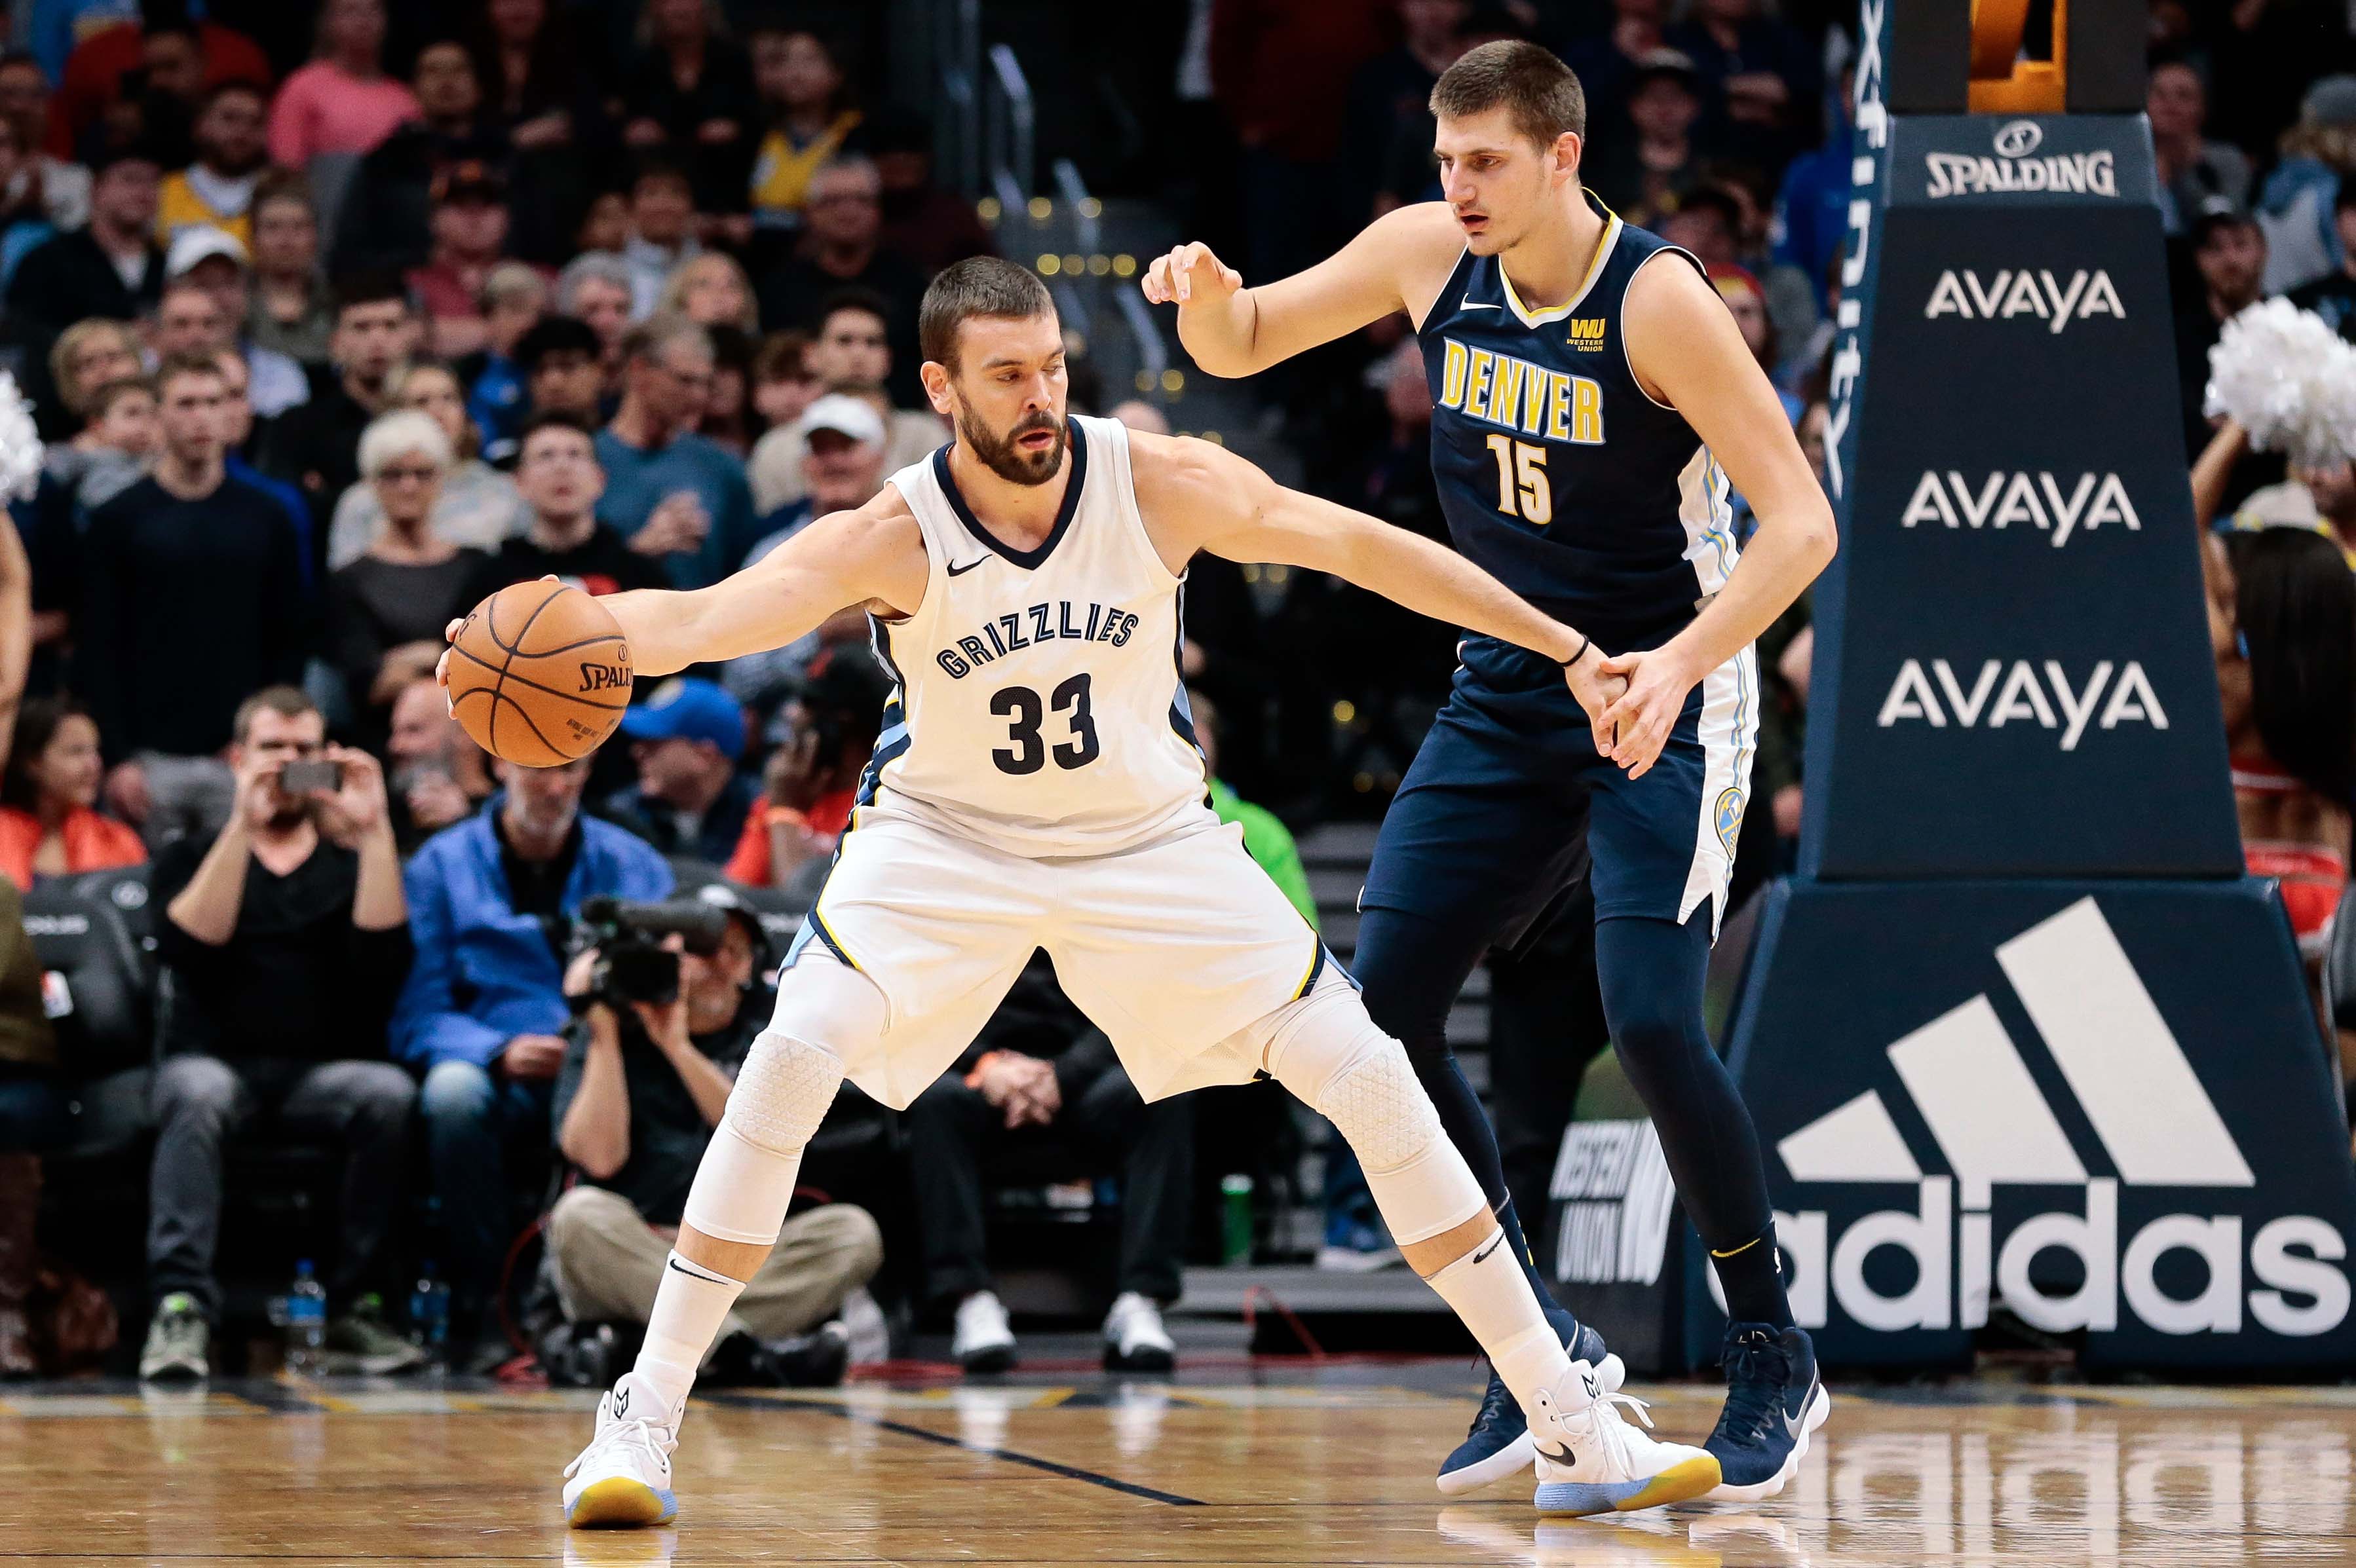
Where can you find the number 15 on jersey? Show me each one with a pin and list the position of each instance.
(1522, 488)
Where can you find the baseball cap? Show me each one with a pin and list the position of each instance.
(845, 415)
(721, 896)
(1664, 61)
(684, 708)
(198, 243)
(2217, 210)
(469, 180)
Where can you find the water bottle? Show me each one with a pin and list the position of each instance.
(429, 1312)
(306, 1322)
(1236, 1220)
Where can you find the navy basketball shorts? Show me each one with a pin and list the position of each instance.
(1484, 830)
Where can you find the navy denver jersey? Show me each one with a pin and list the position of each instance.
(1560, 475)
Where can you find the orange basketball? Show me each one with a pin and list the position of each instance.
(540, 674)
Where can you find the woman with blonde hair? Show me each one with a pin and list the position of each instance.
(90, 354)
(711, 289)
(474, 505)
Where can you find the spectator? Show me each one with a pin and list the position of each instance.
(672, 493)
(2191, 169)
(342, 102)
(598, 289)
(558, 473)
(33, 1114)
(531, 75)
(842, 463)
(690, 90)
(111, 269)
(850, 353)
(1042, 1084)
(728, 421)
(827, 727)
(212, 261)
(192, 597)
(470, 235)
(61, 186)
(2229, 255)
(1810, 224)
(113, 450)
(316, 447)
(784, 385)
(662, 231)
(930, 225)
(216, 189)
(640, 1091)
(2296, 205)
(564, 369)
(690, 800)
(842, 247)
(1640, 175)
(810, 119)
(148, 76)
(291, 313)
(1607, 61)
(387, 609)
(1707, 221)
(237, 434)
(388, 215)
(439, 776)
(1762, 69)
(1390, 94)
(287, 934)
(90, 354)
(491, 905)
(24, 223)
(515, 299)
(2334, 295)
(48, 826)
(710, 290)
(478, 508)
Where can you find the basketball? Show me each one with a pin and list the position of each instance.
(540, 674)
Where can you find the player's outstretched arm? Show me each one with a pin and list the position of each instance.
(1687, 353)
(1401, 263)
(870, 554)
(1197, 496)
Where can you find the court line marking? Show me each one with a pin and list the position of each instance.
(1070, 1472)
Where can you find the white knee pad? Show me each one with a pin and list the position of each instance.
(826, 1012)
(1328, 1052)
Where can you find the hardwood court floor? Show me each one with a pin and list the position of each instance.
(1229, 1466)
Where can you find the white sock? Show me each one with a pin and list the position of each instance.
(689, 1307)
(1490, 1294)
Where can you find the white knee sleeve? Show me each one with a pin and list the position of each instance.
(825, 1014)
(1328, 1052)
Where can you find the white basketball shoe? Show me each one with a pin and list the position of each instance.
(1593, 1461)
(623, 1478)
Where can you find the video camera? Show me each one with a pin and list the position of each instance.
(633, 965)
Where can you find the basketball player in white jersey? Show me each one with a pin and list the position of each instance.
(1035, 786)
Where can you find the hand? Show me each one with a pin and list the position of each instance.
(1595, 692)
(1188, 271)
(677, 526)
(1640, 720)
(126, 790)
(531, 1056)
(1191, 658)
(436, 802)
(793, 776)
(666, 1025)
(1786, 806)
(1009, 1081)
(257, 789)
(1037, 1101)
(579, 972)
(356, 806)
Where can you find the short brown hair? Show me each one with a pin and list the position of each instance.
(780, 356)
(98, 402)
(175, 366)
(1541, 93)
(979, 285)
(286, 701)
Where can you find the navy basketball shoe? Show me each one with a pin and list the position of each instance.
(1499, 1444)
(1774, 1400)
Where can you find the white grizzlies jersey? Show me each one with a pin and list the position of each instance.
(1039, 707)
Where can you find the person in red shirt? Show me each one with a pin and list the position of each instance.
(811, 781)
(48, 826)
(184, 58)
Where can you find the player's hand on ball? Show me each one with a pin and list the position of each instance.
(1640, 718)
(1187, 273)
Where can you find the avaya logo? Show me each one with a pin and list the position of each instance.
(2156, 1125)
(2012, 294)
(2037, 500)
(2022, 697)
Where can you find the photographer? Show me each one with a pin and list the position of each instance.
(287, 938)
(642, 1086)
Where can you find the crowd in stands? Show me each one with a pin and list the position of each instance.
(336, 322)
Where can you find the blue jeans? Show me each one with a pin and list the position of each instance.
(475, 1120)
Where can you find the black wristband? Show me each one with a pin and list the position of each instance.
(1585, 643)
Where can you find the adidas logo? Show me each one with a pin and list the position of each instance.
(1966, 1079)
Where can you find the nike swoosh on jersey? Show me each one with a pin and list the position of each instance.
(968, 566)
(1468, 305)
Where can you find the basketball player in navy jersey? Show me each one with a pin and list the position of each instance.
(1592, 399)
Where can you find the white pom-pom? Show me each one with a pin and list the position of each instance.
(20, 443)
(2282, 374)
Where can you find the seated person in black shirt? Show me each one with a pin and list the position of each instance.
(689, 799)
(558, 476)
(1040, 1086)
(641, 1088)
(287, 937)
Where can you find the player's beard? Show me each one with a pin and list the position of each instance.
(1003, 457)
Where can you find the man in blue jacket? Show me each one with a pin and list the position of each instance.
(490, 905)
